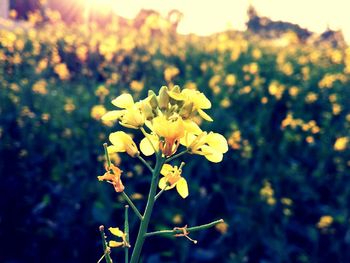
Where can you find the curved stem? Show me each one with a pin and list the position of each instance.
(106, 249)
(126, 231)
(176, 156)
(126, 197)
(190, 229)
(160, 192)
(148, 211)
(145, 163)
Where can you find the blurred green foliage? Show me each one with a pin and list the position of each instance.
(283, 187)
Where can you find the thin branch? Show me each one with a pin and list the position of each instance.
(176, 156)
(106, 249)
(145, 163)
(160, 192)
(190, 229)
(126, 197)
(126, 231)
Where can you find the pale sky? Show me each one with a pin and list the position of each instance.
(205, 17)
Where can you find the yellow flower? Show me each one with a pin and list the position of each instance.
(199, 100)
(98, 111)
(172, 178)
(62, 71)
(325, 221)
(211, 145)
(122, 142)
(170, 132)
(341, 144)
(132, 115)
(113, 176)
(118, 233)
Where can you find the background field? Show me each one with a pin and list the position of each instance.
(284, 106)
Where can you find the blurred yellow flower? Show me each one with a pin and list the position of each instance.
(325, 221)
(98, 111)
(341, 144)
(40, 87)
(62, 71)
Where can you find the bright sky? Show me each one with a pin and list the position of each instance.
(205, 16)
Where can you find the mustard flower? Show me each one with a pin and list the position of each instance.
(122, 142)
(211, 145)
(112, 175)
(118, 233)
(131, 116)
(172, 178)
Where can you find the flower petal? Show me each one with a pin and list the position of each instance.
(167, 169)
(113, 243)
(217, 141)
(123, 101)
(146, 147)
(204, 115)
(211, 154)
(112, 115)
(115, 149)
(162, 183)
(116, 231)
(182, 187)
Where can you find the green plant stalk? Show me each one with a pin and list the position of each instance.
(126, 231)
(141, 236)
(126, 197)
(106, 249)
(190, 229)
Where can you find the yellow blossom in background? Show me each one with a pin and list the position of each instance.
(222, 227)
(101, 92)
(62, 71)
(97, 112)
(172, 178)
(170, 73)
(341, 144)
(311, 97)
(69, 106)
(325, 221)
(136, 86)
(235, 140)
(40, 87)
(230, 80)
(267, 193)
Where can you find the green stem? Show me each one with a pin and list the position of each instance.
(145, 163)
(126, 231)
(190, 229)
(148, 211)
(160, 192)
(106, 249)
(107, 155)
(176, 156)
(126, 197)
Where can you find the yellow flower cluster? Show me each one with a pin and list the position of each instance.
(169, 117)
(167, 120)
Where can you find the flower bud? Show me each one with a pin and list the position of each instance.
(163, 98)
